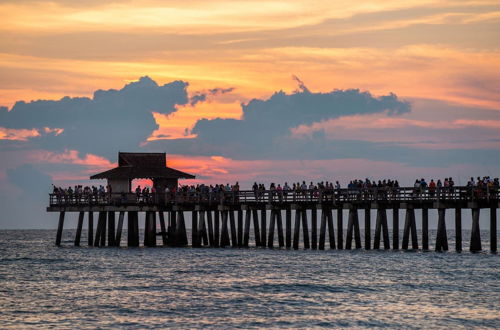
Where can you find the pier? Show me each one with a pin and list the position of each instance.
(225, 219)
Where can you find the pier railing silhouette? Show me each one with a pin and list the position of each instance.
(224, 218)
(404, 194)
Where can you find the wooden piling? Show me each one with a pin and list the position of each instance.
(195, 240)
(257, 235)
(60, 228)
(493, 229)
(181, 229)
(322, 230)
(340, 229)
(240, 228)
(234, 237)
(441, 237)
(79, 228)
(163, 228)
(150, 229)
(90, 232)
(381, 229)
(279, 223)
(458, 229)
(173, 240)
(425, 229)
(288, 224)
(395, 228)
(216, 228)
(224, 241)
(211, 241)
(100, 233)
(296, 229)
(305, 229)
(368, 229)
(353, 228)
(202, 229)
(102, 242)
(246, 233)
(272, 221)
(314, 228)
(119, 229)
(111, 228)
(410, 227)
(331, 232)
(133, 229)
(263, 226)
(475, 238)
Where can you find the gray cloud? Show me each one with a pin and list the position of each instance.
(109, 121)
(264, 130)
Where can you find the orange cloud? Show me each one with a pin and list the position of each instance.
(18, 134)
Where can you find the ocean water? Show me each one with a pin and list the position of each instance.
(44, 286)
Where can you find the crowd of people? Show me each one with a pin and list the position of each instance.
(355, 189)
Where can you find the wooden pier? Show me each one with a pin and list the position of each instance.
(225, 219)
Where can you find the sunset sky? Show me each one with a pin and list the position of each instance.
(246, 90)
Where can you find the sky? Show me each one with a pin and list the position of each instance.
(245, 91)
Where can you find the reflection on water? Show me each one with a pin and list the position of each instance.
(184, 287)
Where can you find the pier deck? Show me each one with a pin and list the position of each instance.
(224, 218)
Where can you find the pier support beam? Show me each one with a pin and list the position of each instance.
(458, 229)
(441, 237)
(475, 238)
(270, 238)
(150, 229)
(410, 227)
(90, 232)
(216, 228)
(425, 229)
(211, 241)
(232, 222)
(288, 224)
(395, 228)
(340, 229)
(240, 228)
(202, 229)
(326, 220)
(256, 229)
(305, 229)
(195, 240)
(353, 228)
(60, 228)
(181, 229)
(133, 229)
(381, 229)
(296, 229)
(119, 229)
(100, 233)
(224, 240)
(314, 228)
(246, 233)
(79, 228)
(111, 228)
(368, 228)
(163, 228)
(263, 226)
(493, 229)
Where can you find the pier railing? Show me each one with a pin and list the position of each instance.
(400, 194)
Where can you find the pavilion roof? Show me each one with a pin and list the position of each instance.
(141, 165)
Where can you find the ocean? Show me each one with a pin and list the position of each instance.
(44, 286)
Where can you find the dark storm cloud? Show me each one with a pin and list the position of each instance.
(264, 130)
(264, 120)
(112, 120)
